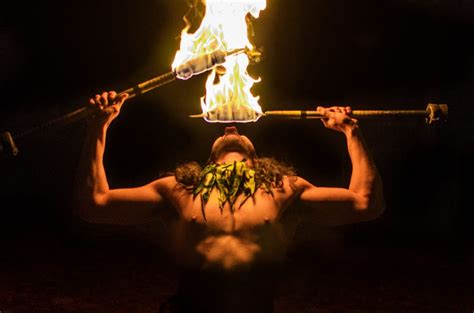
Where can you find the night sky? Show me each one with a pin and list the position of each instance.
(385, 54)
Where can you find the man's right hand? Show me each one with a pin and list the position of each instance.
(107, 106)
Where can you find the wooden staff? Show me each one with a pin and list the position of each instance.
(185, 71)
(433, 113)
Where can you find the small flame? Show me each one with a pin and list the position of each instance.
(224, 28)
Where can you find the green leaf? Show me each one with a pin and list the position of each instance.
(208, 169)
(209, 179)
(250, 186)
(203, 204)
(231, 180)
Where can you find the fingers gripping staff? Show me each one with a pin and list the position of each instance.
(337, 118)
(107, 105)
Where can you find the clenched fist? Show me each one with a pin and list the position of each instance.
(338, 118)
(107, 106)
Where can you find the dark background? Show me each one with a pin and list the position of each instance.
(403, 54)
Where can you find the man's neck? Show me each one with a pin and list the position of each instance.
(231, 157)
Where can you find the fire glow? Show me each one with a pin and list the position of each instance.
(228, 93)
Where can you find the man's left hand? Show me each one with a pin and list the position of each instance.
(338, 118)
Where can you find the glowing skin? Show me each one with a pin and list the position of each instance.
(232, 146)
(256, 235)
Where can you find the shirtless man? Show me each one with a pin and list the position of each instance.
(228, 250)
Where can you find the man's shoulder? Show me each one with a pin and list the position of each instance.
(296, 184)
(166, 182)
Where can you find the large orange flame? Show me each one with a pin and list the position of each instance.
(228, 97)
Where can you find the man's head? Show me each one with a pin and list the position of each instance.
(232, 142)
(233, 146)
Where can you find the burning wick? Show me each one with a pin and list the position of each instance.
(204, 63)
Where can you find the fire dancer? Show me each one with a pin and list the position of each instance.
(230, 220)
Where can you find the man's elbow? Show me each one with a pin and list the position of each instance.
(91, 209)
(371, 209)
(377, 210)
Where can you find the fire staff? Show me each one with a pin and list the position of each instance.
(230, 220)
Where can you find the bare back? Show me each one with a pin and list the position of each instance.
(253, 235)
(230, 260)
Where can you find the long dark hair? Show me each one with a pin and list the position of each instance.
(267, 171)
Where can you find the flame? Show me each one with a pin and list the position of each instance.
(224, 28)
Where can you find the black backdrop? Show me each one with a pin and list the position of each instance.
(368, 54)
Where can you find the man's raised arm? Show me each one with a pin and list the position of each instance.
(363, 199)
(95, 202)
